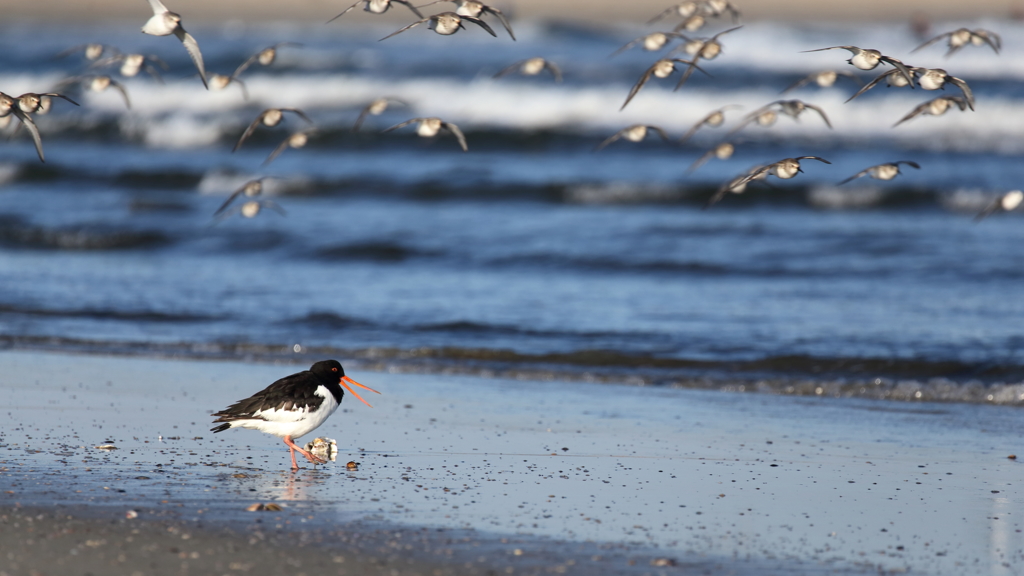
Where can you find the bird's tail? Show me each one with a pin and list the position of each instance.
(221, 428)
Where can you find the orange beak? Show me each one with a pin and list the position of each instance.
(345, 379)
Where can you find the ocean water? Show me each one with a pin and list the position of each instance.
(531, 255)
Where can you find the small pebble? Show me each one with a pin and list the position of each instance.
(106, 447)
(1012, 456)
(131, 514)
(663, 562)
(352, 465)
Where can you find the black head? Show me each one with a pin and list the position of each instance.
(328, 370)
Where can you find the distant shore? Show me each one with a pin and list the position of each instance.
(591, 11)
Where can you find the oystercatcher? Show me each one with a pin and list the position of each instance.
(293, 406)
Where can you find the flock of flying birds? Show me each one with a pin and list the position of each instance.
(694, 14)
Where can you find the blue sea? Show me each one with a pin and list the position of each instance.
(532, 254)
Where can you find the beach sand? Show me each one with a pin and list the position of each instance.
(472, 475)
(591, 11)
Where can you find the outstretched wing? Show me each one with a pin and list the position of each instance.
(509, 69)
(480, 23)
(963, 88)
(932, 41)
(855, 176)
(27, 122)
(124, 93)
(192, 47)
(346, 11)
(277, 151)
(458, 134)
(820, 113)
(501, 17)
(554, 69)
(640, 84)
(402, 125)
(248, 131)
(871, 84)
(818, 158)
(410, 7)
(400, 30)
(689, 70)
(799, 83)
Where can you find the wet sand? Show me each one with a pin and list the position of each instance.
(472, 475)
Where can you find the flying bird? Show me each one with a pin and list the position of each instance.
(893, 79)
(937, 78)
(935, 107)
(650, 42)
(1005, 203)
(962, 37)
(532, 67)
(270, 117)
(132, 64)
(714, 119)
(22, 107)
(375, 108)
(474, 9)
(264, 57)
(91, 52)
(445, 24)
(824, 79)
(294, 140)
(164, 23)
(701, 49)
(430, 127)
(95, 84)
(768, 114)
(869, 59)
(783, 169)
(221, 81)
(634, 133)
(293, 406)
(722, 151)
(250, 189)
(661, 69)
(882, 171)
(683, 10)
(378, 7)
(249, 209)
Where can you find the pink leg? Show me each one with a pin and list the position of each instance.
(295, 447)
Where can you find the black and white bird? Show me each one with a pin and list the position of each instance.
(293, 406)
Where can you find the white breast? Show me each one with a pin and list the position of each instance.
(294, 423)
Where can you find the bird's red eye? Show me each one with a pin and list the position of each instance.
(334, 369)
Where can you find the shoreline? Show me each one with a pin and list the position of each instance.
(739, 483)
(900, 380)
